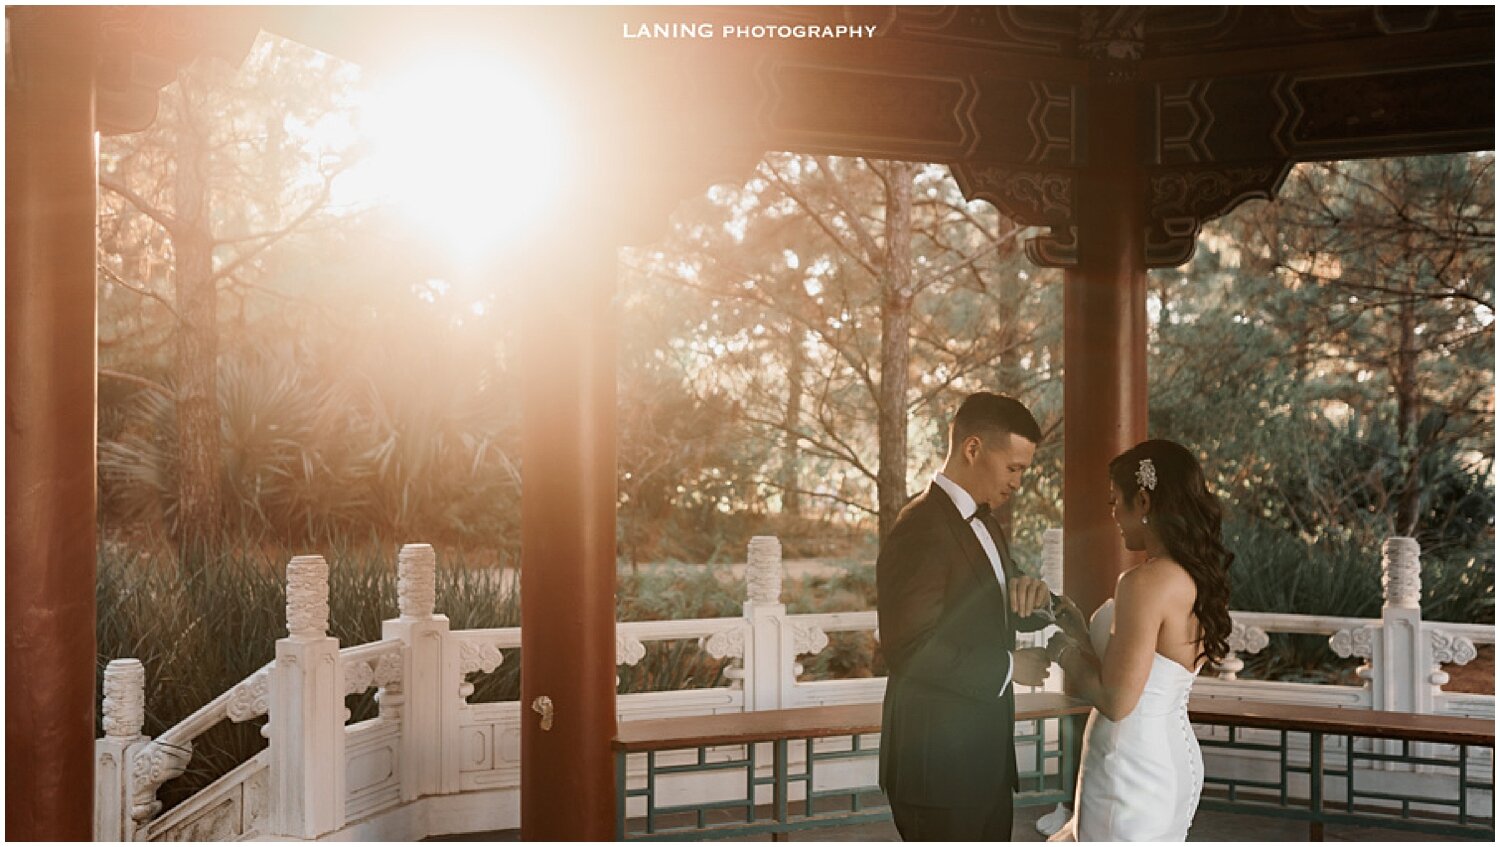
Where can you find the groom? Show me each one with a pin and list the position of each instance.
(950, 604)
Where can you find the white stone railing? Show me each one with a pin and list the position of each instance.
(433, 763)
(1403, 654)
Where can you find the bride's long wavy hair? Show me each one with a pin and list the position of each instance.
(1189, 522)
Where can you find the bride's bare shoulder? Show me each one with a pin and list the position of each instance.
(1158, 579)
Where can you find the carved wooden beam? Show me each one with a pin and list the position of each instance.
(1229, 96)
(1447, 106)
(1180, 200)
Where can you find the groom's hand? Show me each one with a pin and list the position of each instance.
(1027, 595)
(1030, 666)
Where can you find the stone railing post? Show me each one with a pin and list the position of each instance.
(1412, 653)
(124, 718)
(429, 699)
(762, 663)
(307, 711)
(1400, 665)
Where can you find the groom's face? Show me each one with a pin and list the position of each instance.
(1000, 464)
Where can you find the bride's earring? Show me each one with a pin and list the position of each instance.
(1143, 519)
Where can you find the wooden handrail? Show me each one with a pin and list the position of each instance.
(864, 718)
(1366, 723)
(814, 722)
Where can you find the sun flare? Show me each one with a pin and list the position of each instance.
(469, 148)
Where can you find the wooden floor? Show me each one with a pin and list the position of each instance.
(1210, 826)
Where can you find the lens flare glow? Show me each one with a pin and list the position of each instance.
(470, 149)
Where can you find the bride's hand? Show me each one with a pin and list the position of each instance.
(1070, 618)
(1058, 645)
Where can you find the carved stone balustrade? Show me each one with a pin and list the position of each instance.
(1242, 639)
(321, 778)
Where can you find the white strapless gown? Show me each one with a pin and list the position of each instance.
(1141, 776)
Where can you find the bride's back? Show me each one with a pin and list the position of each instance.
(1180, 637)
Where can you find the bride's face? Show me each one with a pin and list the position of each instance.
(1127, 515)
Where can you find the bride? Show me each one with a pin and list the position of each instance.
(1135, 662)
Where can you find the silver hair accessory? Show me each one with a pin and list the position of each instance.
(1145, 475)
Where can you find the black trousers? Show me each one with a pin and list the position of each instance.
(933, 823)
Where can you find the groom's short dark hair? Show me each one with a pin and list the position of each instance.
(985, 414)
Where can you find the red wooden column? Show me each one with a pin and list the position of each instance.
(50, 183)
(568, 542)
(1104, 341)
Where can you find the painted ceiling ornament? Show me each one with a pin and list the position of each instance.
(1145, 475)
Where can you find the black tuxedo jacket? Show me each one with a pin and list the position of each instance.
(947, 735)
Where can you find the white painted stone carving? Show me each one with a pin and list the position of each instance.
(628, 649)
(251, 698)
(1451, 649)
(217, 822)
(474, 657)
(1401, 572)
(726, 644)
(124, 698)
(370, 767)
(1242, 639)
(1248, 639)
(388, 669)
(151, 766)
(416, 580)
(358, 675)
(1359, 641)
(307, 597)
(255, 798)
(763, 569)
(808, 638)
(364, 671)
(1229, 667)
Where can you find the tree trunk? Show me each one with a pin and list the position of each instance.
(1008, 362)
(198, 509)
(791, 496)
(895, 342)
(1408, 401)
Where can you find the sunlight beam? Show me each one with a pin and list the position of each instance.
(471, 150)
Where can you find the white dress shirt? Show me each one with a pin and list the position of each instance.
(966, 506)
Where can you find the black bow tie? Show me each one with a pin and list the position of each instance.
(981, 511)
